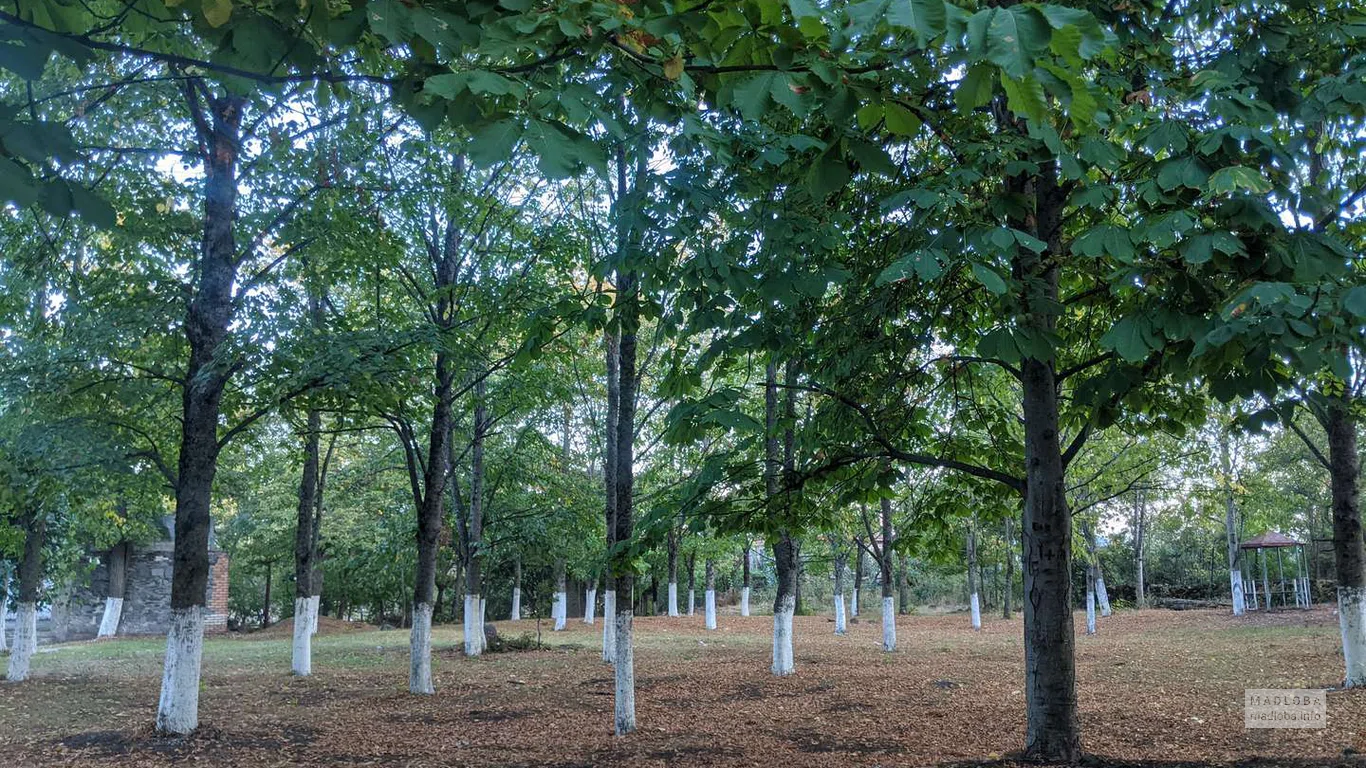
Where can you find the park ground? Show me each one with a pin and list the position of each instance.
(1156, 688)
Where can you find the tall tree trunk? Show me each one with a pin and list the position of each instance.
(205, 376)
(1052, 731)
(561, 608)
(974, 601)
(304, 547)
(711, 594)
(744, 589)
(784, 553)
(612, 342)
(516, 589)
(474, 570)
(1348, 556)
(858, 576)
(1140, 554)
(34, 524)
(903, 585)
(629, 319)
(1008, 590)
(1235, 555)
(265, 602)
(884, 552)
(692, 583)
(839, 557)
(673, 569)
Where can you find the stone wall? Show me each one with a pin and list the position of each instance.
(77, 610)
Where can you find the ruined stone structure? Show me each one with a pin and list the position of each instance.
(78, 608)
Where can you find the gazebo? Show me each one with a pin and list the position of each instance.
(1287, 588)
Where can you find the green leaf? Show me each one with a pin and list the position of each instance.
(988, 278)
(390, 19)
(900, 120)
(1014, 37)
(478, 82)
(752, 96)
(1237, 177)
(493, 142)
(26, 61)
(1355, 301)
(1026, 98)
(1130, 338)
(927, 18)
(92, 208)
(829, 174)
(975, 88)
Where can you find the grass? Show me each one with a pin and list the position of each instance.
(1154, 686)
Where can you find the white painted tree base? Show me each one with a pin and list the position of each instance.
(744, 601)
(853, 603)
(624, 714)
(710, 602)
(4, 619)
(474, 625)
(782, 638)
(888, 624)
(1235, 578)
(109, 622)
(841, 624)
(1103, 597)
(1090, 611)
(560, 610)
(178, 708)
(1352, 623)
(25, 642)
(673, 598)
(301, 662)
(609, 626)
(516, 604)
(420, 651)
(692, 603)
(590, 604)
(976, 611)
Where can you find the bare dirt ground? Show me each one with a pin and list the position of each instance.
(1156, 688)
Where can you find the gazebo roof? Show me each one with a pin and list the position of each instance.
(1269, 540)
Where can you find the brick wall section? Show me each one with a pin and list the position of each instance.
(216, 615)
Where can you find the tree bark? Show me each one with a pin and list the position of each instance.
(744, 589)
(673, 570)
(1349, 559)
(838, 558)
(474, 570)
(784, 553)
(1235, 555)
(206, 375)
(305, 542)
(884, 552)
(858, 575)
(1008, 590)
(711, 594)
(34, 524)
(974, 602)
(612, 342)
(1140, 555)
(629, 319)
(117, 569)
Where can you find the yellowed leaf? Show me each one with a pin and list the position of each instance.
(217, 12)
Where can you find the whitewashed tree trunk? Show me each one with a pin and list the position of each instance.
(25, 642)
(1102, 596)
(474, 626)
(711, 608)
(673, 598)
(590, 600)
(109, 622)
(560, 610)
(420, 651)
(609, 626)
(853, 602)
(516, 604)
(1352, 623)
(976, 610)
(625, 710)
(744, 601)
(782, 637)
(840, 622)
(178, 708)
(1235, 579)
(692, 602)
(313, 603)
(888, 623)
(4, 618)
(301, 662)
(1090, 606)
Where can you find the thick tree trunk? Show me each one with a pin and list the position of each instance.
(672, 608)
(516, 590)
(474, 570)
(561, 609)
(1349, 560)
(1052, 732)
(34, 524)
(903, 585)
(205, 376)
(784, 552)
(590, 599)
(113, 601)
